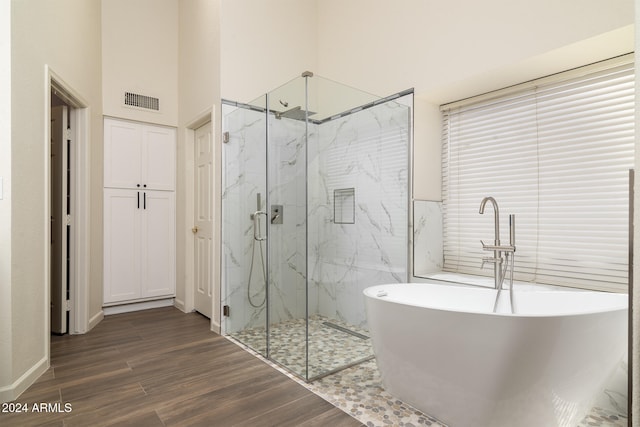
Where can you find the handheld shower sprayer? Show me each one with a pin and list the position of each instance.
(257, 237)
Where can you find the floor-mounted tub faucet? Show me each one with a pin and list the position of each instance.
(500, 262)
(497, 255)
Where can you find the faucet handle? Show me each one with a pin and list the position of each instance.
(491, 260)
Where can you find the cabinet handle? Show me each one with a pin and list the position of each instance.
(138, 200)
(144, 195)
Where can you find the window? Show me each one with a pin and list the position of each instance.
(556, 152)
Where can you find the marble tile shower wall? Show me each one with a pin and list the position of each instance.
(369, 152)
(427, 237)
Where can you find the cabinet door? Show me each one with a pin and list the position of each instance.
(158, 244)
(121, 245)
(122, 154)
(159, 158)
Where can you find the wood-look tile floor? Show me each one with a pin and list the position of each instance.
(162, 367)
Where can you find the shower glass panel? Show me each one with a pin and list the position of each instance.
(244, 226)
(287, 265)
(299, 146)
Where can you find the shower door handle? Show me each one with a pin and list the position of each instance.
(256, 225)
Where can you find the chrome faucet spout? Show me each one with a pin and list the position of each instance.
(496, 217)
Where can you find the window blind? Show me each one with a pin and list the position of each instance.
(556, 153)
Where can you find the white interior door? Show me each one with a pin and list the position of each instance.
(59, 224)
(203, 220)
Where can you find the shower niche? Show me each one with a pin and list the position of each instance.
(315, 210)
(344, 206)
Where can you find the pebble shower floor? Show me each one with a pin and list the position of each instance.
(329, 348)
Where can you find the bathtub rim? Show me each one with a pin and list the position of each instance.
(369, 292)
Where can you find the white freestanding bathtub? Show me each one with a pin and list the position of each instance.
(441, 349)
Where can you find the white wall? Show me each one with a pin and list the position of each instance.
(140, 55)
(384, 47)
(427, 152)
(199, 57)
(264, 44)
(6, 365)
(64, 34)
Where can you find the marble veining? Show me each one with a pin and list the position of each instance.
(427, 237)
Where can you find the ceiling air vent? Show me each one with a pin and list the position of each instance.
(141, 101)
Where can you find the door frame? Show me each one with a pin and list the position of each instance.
(188, 148)
(80, 205)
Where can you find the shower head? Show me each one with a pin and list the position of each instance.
(295, 113)
(285, 104)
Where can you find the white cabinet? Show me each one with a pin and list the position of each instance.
(139, 221)
(139, 244)
(139, 155)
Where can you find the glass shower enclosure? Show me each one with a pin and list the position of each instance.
(315, 210)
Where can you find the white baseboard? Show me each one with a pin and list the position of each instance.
(180, 305)
(137, 306)
(13, 391)
(216, 327)
(96, 319)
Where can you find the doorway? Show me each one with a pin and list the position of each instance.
(61, 153)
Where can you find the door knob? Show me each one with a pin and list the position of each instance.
(194, 229)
